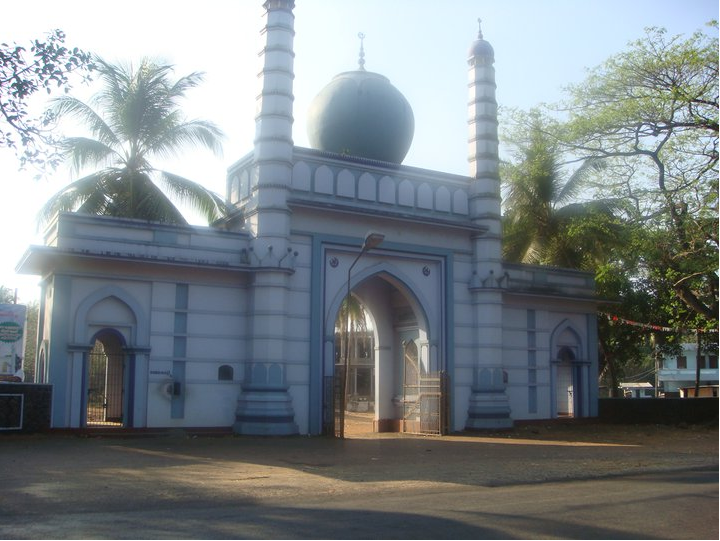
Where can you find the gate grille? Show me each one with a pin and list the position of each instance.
(424, 404)
(338, 401)
(105, 388)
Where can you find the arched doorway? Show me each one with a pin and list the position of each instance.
(354, 351)
(570, 374)
(393, 381)
(105, 389)
(565, 387)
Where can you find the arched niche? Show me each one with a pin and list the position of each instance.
(301, 177)
(346, 184)
(386, 190)
(442, 199)
(425, 196)
(406, 194)
(367, 187)
(324, 180)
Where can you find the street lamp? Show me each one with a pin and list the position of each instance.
(372, 240)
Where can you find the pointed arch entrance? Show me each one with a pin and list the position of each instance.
(570, 373)
(397, 352)
(106, 376)
(109, 359)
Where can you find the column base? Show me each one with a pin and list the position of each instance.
(265, 411)
(488, 409)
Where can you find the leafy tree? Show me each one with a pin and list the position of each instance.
(544, 221)
(646, 119)
(31, 327)
(47, 65)
(350, 324)
(7, 296)
(651, 115)
(137, 118)
(625, 351)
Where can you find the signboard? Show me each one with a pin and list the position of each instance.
(12, 338)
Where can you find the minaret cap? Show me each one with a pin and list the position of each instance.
(361, 59)
(481, 48)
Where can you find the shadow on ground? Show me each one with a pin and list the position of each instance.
(211, 486)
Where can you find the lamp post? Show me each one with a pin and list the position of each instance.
(372, 240)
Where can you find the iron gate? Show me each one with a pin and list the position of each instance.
(105, 388)
(333, 410)
(425, 404)
(339, 400)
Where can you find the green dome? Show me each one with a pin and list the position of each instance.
(360, 113)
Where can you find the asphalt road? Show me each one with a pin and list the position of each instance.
(584, 483)
(676, 505)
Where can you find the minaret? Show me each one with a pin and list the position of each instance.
(489, 406)
(483, 157)
(267, 216)
(265, 405)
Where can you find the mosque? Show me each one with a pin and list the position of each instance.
(146, 325)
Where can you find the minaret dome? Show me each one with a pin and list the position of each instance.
(481, 49)
(360, 113)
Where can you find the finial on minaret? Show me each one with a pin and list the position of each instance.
(480, 36)
(361, 61)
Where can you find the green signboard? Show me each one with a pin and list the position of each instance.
(12, 332)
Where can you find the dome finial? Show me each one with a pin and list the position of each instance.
(361, 61)
(480, 36)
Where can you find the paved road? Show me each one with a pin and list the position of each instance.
(676, 505)
(579, 484)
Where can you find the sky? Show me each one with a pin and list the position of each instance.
(541, 46)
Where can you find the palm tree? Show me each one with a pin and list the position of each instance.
(542, 223)
(136, 118)
(351, 323)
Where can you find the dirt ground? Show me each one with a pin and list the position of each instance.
(536, 452)
(359, 426)
(54, 484)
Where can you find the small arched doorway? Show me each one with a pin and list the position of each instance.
(569, 374)
(106, 374)
(565, 387)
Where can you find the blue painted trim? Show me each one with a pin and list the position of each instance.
(84, 387)
(578, 393)
(593, 369)
(57, 350)
(130, 392)
(315, 403)
(450, 334)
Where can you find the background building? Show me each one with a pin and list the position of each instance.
(677, 373)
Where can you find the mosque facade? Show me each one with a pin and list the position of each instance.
(148, 325)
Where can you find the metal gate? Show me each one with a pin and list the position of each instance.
(339, 401)
(333, 410)
(105, 388)
(425, 404)
(425, 408)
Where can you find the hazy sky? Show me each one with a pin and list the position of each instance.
(420, 45)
